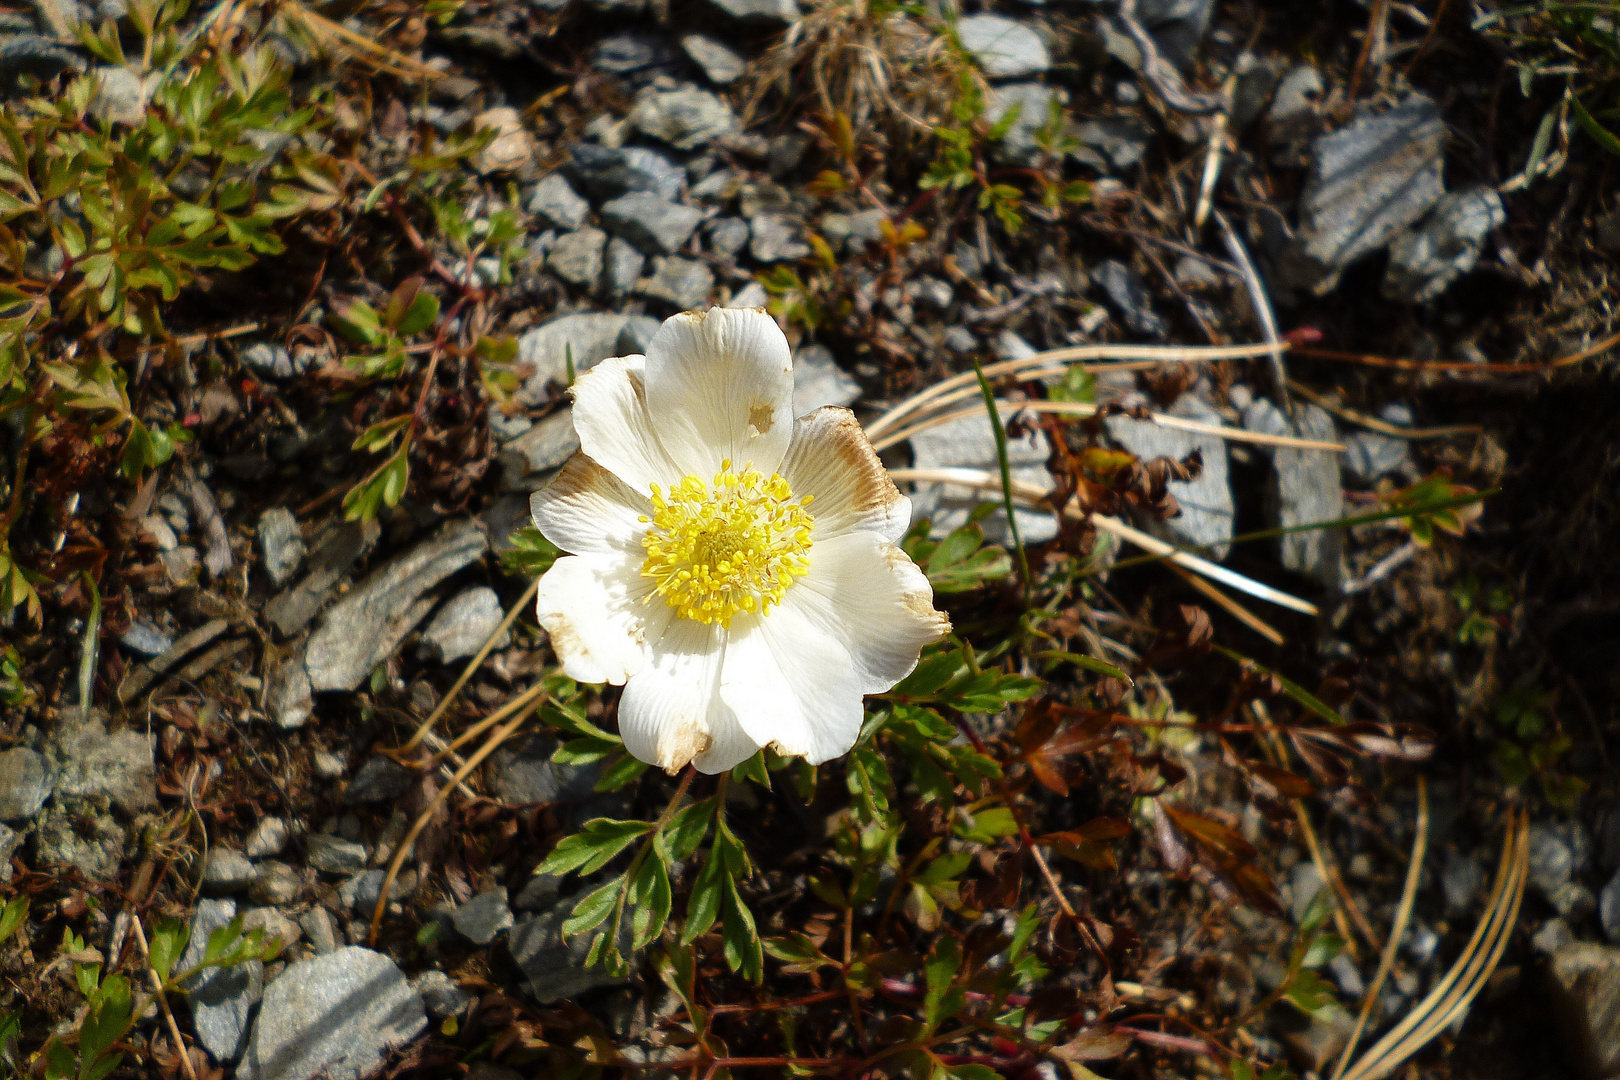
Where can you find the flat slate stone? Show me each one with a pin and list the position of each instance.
(337, 1016)
(719, 62)
(362, 629)
(555, 201)
(1207, 510)
(464, 623)
(818, 380)
(555, 969)
(1307, 488)
(970, 443)
(1367, 182)
(685, 119)
(651, 222)
(588, 337)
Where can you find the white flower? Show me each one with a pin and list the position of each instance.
(733, 568)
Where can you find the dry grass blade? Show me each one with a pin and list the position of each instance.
(1403, 915)
(1084, 408)
(340, 39)
(472, 666)
(1467, 977)
(1230, 606)
(1163, 354)
(1032, 496)
(1383, 427)
(404, 850)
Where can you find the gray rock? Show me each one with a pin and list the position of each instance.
(1552, 858)
(608, 172)
(321, 929)
(272, 361)
(854, 231)
(440, 995)
(363, 628)
(292, 609)
(1004, 49)
(334, 854)
(818, 380)
(336, 1016)
(1462, 880)
(556, 202)
(463, 625)
(1609, 909)
(1369, 455)
(728, 236)
(1196, 275)
(1421, 943)
(227, 871)
(576, 257)
(1585, 983)
(79, 833)
(276, 884)
(777, 12)
(1305, 884)
(272, 924)
(268, 839)
(970, 443)
(751, 295)
(1130, 297)
(121, 96)
(776, 238)
(1573, 901)
(526, 460)
(380, 779)
(282, 544)
(359, 893)
(1367, 182)
(1307, 489)
(685, 119)
(722, 185)
(1207, 510)
(1551, 936)
(484, 916)
(588, 337)
(291, 700)
(90, 763)
(1295, 102)
(146, 639)
(681, 283)
(1347, 975)
(10, 841)
(182, 565)
(328, 766)
(1423, 262)
(524, 774)
(1018, 146)
(1176, 26)
(1111, 144)
(554, 968)
(36, 55)
(621, 268)
(652, 223)
(719, 62)
(540, 891)
(25, 783)
(221, 999)
(1321, 1039)
(631, 51)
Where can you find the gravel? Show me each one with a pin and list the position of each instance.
(281, 542)
(719, 62)
(681, 283)
(380, 779)
(555, 201)
(686, 119)
(576, 257)
(1005, 49)
(227, 871)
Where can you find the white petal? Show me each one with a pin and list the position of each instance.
(831, 459)
(586, 509)
(671, 712)
(720, 385)
(591, 606)
(610, 415)
(792, 685)
(864, 592)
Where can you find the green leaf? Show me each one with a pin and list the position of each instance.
(1091, 664)
(1600, 134)
(973, 1072)
(620, 773)
(938, 666)
(742, 946)
(703, 905)
(12, 916)
(1308, 992)
(798, 952)
(169, 938)
(943, 999)
(649, 902)
(593, 909)
(423, 313)
(590, 850)
(686, 830)
(222, 941)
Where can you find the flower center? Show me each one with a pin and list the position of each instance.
(732, 545)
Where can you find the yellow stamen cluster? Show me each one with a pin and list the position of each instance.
(733, 545)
